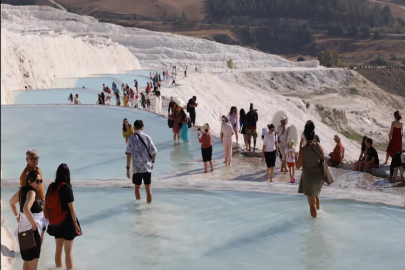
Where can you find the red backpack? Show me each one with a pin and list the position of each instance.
(54, 212)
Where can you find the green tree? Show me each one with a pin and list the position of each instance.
(377, 34)
(365, 31)
(329, 58)
(229, 63)
(184, 18)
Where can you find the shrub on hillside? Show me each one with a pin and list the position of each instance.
(336, 30)
(365, 31)
(354, 91)
(300, 59)
(379, 61)
(353, 30)
(329, 58)
(307, 105)
(377, 34)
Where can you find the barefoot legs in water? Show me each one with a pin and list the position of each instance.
(314, 205)
(206, 166)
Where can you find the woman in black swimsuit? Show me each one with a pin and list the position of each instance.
(26, 218)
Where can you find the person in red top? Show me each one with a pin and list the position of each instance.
(206, 146)
(396, 133)
(338, 153)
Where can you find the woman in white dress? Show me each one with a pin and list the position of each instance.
(158, 103)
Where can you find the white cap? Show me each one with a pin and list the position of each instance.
(283, 118)
(403, 157)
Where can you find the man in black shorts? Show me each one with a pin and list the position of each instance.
(143, 153)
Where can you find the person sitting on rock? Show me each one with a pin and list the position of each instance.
(372, 160)
(338, 154)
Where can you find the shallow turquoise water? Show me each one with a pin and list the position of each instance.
(95, 83)
(128, 79)
(194, 229)
(89, 140)
(57, 96)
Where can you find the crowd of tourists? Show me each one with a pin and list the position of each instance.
(39, 212)
(53, 212)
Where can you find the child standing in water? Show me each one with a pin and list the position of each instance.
(290, 158)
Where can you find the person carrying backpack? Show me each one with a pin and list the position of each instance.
(251, 121)
(60, 211)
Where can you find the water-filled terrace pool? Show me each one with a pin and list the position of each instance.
(193, 229)
(95, 83)
(57, 96)
(88, 139)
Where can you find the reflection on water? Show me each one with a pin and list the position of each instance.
(317, 251)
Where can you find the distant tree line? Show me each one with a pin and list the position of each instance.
(355, 12)
(19, 2)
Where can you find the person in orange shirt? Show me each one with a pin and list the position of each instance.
(32, 158)
(338, 153)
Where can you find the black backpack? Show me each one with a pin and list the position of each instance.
(188, 106)
(251, 119)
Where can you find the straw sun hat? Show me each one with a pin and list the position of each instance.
(206, 127)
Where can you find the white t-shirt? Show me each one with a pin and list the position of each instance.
(265, 130)
(270, 142)
(290, 155)
(227, 130)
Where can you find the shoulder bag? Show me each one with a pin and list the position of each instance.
(327, 176)
(147, 149)
(26, 239)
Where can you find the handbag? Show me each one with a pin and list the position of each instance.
(26, 239)
(170, 123)
(327, 175)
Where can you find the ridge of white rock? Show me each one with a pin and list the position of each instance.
(148, 46)
(37, 60)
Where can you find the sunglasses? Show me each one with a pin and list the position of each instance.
(34, 159)
(38, 181)
(272, 130)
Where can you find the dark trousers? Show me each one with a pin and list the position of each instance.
(192, 117)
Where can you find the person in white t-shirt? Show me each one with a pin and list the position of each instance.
(290, 158)
(270, 151)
